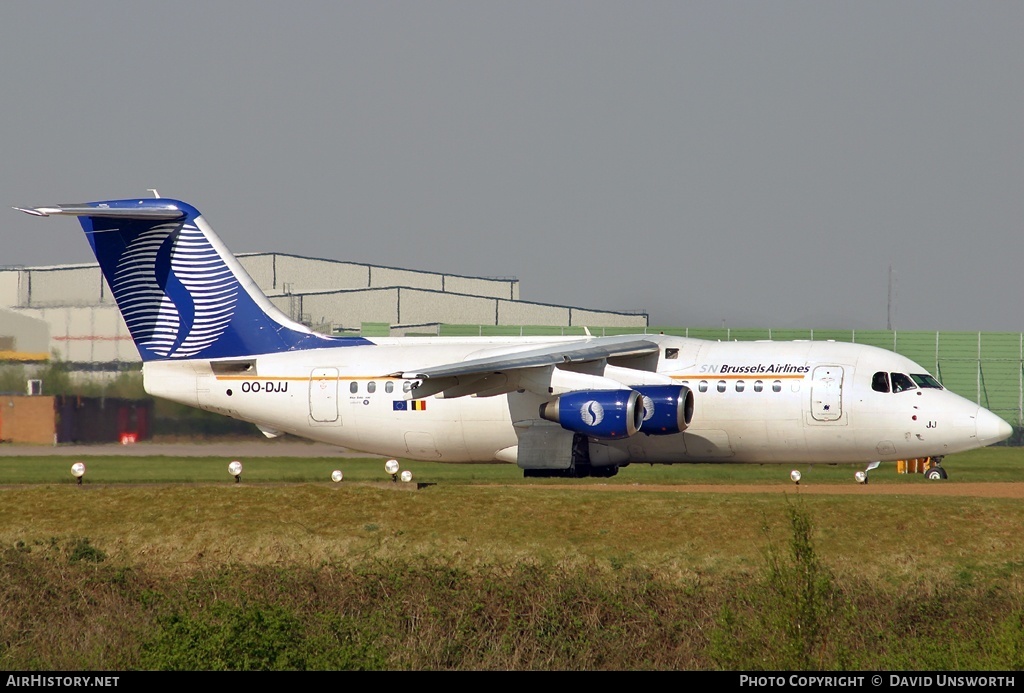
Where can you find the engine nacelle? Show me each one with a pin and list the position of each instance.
(666, 409)
(609, 414)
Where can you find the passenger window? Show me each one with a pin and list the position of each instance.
(406, 386)
(671, 353)
(880, 382)
(353, 387)
(740, 386)
(389, 387)
(777, 386)
(703, 386)
(758, 386)
(721, 386)
(901, 382)
(371, 387)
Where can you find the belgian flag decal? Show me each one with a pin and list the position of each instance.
(414, 405)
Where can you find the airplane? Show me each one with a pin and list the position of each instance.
(555, 406)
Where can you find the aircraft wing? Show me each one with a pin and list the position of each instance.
(493, 375)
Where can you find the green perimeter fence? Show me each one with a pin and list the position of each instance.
(984, 367)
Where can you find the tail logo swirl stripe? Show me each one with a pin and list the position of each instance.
(174, 290)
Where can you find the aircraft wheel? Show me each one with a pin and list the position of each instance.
(935, 473)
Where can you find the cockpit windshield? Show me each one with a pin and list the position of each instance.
(901, 382)
(925, 380)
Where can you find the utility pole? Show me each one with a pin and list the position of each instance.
(889, 307)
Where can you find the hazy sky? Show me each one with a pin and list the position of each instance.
(758, 163)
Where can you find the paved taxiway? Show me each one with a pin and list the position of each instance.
(298, 448)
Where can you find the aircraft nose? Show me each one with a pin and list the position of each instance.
(990, 428)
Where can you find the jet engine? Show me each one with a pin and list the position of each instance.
(667, 409)
(609, 414)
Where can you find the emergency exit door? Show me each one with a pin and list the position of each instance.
(323, 395)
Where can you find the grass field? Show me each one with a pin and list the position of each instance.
(688, 579)
(168, 512)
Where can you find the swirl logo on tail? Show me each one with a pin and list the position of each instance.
(175, 292)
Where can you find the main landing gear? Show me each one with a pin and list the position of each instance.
(931, 467)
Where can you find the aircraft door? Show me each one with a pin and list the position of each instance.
(827, 393)
(323, 395)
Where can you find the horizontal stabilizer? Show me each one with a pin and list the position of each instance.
(168, 212)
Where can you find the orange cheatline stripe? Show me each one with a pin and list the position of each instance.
(742, 376)
(703, 376)
(306, 377)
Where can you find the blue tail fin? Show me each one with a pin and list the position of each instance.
(181, 292)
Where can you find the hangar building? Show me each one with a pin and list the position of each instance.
(74, 305)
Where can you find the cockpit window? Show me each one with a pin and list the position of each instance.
(880, 382)
(901, 382)
(925, 380)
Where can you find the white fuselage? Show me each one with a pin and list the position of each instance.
(753, 402)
